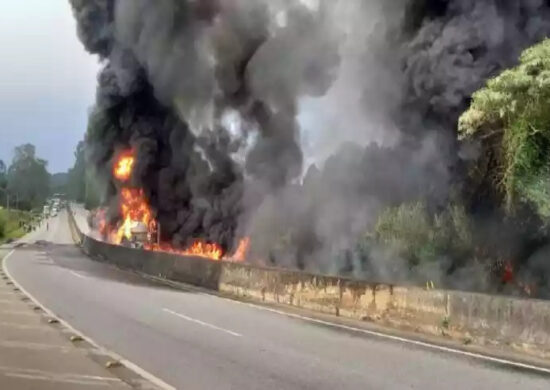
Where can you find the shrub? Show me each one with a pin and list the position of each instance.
(417, 236)
(3, 222)
(510, 117)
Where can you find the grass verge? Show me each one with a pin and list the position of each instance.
(14, 224)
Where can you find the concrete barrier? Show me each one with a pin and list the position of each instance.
(523, 324)
(193, 270)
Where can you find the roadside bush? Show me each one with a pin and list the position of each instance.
(415, 235)
(511, 119)
(12, 226)
(3, 222)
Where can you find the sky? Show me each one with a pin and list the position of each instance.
(47, 81)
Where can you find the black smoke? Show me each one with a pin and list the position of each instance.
(208, 93)
(420, 68)
(173, 70)
(456, 45)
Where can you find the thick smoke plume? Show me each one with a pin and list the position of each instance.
(175, 71)
(273, 116)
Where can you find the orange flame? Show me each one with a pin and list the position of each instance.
(134, 210)
(197, 248)
(204, 249)
(122, 169)
(137, 216)
(242, 250)
(100, 220)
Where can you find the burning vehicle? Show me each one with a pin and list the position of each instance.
(136, 227)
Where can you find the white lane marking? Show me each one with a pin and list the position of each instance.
(404, 340)
(206, 324)
(43, 257)
(8, 255)
(78, 275)
(115, 356)
(395, 338)
(45, 261)
(381, 335)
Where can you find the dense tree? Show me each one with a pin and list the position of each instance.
(510, 120)
(3, 183)
(76, 186)
(28, 178)
(81, 185)
(58, 183)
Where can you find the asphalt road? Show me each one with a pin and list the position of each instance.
(198, 341)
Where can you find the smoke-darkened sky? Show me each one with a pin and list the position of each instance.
(47, 81)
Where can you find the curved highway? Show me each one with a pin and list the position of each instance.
(193, 340)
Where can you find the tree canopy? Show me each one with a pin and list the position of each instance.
(76, 186)
(81, 184)
(28, 180)
(3, 182)
(510, 117)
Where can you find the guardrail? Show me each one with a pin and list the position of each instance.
(523, 324)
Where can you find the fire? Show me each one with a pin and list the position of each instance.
(123, 167)
(197, 248)
(204, 249)
(137, 219)
(242, 250)
(135, 211)
(101, 221)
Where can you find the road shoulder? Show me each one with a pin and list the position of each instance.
(38, 350)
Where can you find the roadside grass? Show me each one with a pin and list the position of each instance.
(13, 224)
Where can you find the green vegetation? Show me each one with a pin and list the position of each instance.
(92, 197)
(28, 181)
(14, 224)
(508, 123)
(58, 183)
(418, 236)
(76, 185)
(82, 185)
(3, 183)
(511, 117)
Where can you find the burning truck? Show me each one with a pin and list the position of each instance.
(136, 227)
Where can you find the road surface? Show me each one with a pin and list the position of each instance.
(193, 340)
